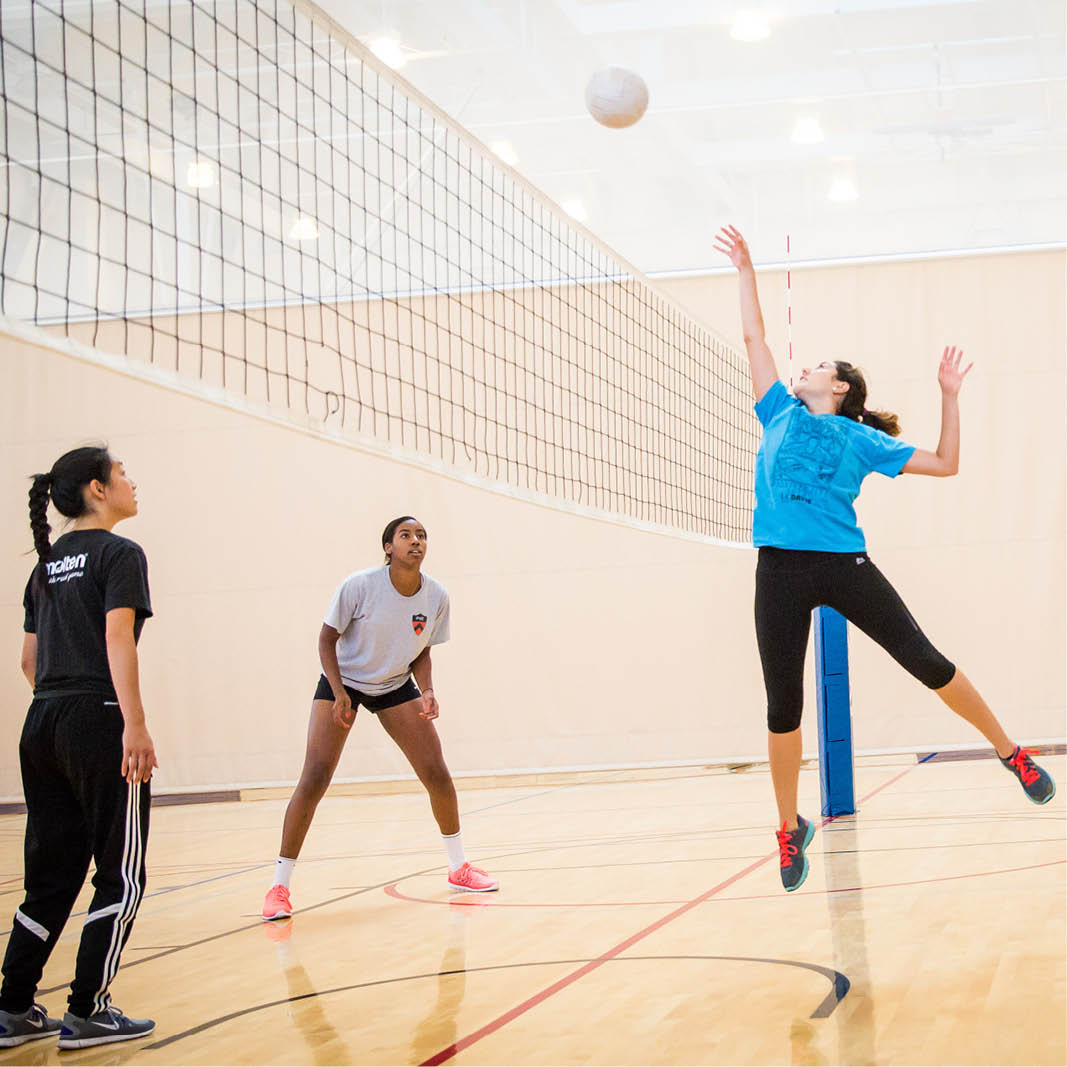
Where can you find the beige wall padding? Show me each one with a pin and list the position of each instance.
(577, 641)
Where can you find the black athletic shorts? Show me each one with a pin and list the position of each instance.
(408, 691)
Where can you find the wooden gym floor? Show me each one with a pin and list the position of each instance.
(640, 921)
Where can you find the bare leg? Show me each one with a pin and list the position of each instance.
(417, 739)
(326, 741)
(965, 701)
(786, 751)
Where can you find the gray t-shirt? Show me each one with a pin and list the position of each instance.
(383, 632)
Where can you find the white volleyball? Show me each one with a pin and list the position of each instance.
(616, 97)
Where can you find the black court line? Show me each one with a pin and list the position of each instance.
(839, 986)
(248, 926)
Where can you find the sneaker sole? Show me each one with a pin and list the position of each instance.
(22, 1039)
(277, 915)
(471, 889)
(102, 1039)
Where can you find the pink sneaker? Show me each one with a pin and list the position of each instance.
(472, 880)
(277, 905)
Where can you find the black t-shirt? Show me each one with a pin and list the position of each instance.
(88, 573)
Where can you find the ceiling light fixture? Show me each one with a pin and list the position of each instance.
(806, 130)
(304, 228)
(200, 175)
(389, 51)
(842, 190)
(504, 152)
(749, 26)
(576, 209)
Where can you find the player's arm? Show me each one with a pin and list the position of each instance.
(138, 752)
(945, 462)
(29, 657)
(422, 672)
(343, 714)
(760, 358)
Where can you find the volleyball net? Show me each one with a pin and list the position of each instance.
(238, 192)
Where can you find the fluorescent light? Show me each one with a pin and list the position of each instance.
(749, 26)
(388, 50)
(504, 152)
(806, 130)
(575, 208)
(304, 228)
(842, 190)
(200, 175)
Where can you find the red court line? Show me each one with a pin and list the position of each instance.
(532, 1002)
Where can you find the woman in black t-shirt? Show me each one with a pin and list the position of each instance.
(85, 751)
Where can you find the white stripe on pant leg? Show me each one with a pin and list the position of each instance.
(102, 913)
(131, 853)
(33, 927)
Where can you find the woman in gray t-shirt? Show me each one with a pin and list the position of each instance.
(375, 650)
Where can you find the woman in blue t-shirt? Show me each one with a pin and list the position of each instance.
(817, 448)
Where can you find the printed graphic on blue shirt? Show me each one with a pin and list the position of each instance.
(808, 459)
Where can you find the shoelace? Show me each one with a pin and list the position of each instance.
(1025, 766)
(786, 849)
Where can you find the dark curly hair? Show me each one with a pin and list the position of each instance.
(852, 403)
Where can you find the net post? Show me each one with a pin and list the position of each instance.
(834, 716)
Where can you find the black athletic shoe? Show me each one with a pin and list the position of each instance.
(16, 1028)
(1037, 783)
(102, 1029)
(791, 846)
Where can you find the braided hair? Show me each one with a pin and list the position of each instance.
(852, 403)
(63, 485)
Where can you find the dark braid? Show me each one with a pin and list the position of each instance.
(39, 494)
(854, 401)
(63, 484)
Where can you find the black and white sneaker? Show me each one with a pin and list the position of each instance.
(102, 1029)
(16, 1028)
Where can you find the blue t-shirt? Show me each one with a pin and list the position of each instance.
(808, 472)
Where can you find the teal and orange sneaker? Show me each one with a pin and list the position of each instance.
(1037, 783)
(791, 846)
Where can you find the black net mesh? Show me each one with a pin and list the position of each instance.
(236, 192)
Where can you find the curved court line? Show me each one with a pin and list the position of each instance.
(839, 987)
(530, 1002)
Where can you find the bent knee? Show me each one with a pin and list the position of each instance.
(315, 780)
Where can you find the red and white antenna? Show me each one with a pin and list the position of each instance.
(789, 307)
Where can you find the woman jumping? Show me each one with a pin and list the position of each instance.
(816, 449)
(85, 752)
(375, 650)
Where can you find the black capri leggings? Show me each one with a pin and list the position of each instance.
(790, 584)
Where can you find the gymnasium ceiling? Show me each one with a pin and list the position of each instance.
(948, 119)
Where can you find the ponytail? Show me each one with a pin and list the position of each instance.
(63, 485)
(852, 403)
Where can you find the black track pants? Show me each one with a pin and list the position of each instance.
(790, 584)
(78, 808)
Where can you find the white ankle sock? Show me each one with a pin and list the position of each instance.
(454, 847)
(283, 871)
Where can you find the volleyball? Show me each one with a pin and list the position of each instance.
(616, 97)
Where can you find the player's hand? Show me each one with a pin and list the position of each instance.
(343, 712)
(430, 708)
(730, 241)
(949, 375)
(138, 754)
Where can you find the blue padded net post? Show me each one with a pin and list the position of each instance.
(835, 719)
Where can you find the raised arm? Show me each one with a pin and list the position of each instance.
(760, 358)
(946, 460)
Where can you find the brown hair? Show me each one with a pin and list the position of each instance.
(390, 530)
(854, 401)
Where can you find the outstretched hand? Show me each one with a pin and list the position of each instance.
(730, 241)
(949, 375)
